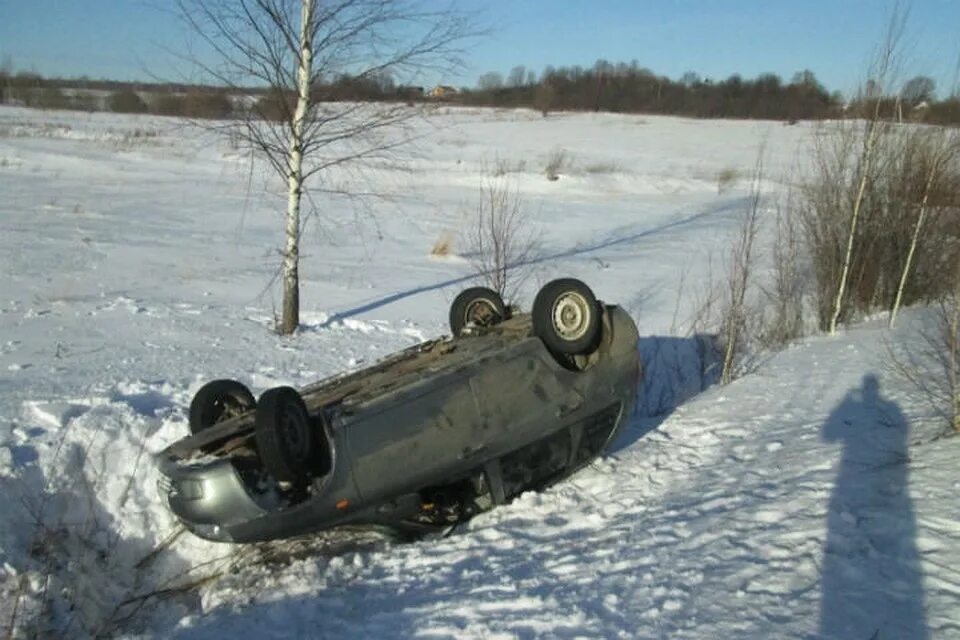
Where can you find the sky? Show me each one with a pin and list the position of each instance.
(132, 39)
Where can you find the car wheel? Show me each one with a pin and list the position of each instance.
(566, 317)
(217, 401)
(286, 439)
(479, 306)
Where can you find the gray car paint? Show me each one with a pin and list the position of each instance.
(491, 395)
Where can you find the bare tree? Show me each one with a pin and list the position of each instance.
(294, 50)
(490, 81)
(517, 77)
(543, 98)
(882, 70)
(500, 240)
(918, 89)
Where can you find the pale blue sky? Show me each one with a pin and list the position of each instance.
(124, 39)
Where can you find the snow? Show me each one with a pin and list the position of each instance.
(810, 498)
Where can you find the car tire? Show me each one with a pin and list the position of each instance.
(566, 317)
(286, 438)
(478, 305)
(217, 401)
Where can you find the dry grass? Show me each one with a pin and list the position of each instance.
(557, 161)
(726, 179)
(602, 168)
(443, 245)
(502, 167)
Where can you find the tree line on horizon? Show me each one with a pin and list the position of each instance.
(606, 87)
(629, 88)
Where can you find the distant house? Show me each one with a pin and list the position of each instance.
(443, 91)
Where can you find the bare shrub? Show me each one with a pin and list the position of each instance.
(784, 296)
(502, 167)
(556, 162)
(934, 369)
(739, 279)
(500, 240)
(907, 204)
(81, 565)
(930, 193)
(728, 318)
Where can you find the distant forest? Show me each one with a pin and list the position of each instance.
(618, 88)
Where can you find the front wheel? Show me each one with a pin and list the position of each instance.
(566, 317)
(287, 442)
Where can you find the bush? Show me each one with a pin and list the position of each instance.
(202, 104)
(50, 98)
(913, 172)
(275, 105)
(169, 104)
(126, 101)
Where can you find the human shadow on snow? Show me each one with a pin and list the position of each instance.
(871, 578)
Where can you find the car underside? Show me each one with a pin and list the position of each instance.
(423, 439)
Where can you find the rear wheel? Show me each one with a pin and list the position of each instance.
(287, 441)
(217, 401)
(477, 306)
(566, 317)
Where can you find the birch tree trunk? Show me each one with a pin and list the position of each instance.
(291, 255)
(913, 244)
(865, 161)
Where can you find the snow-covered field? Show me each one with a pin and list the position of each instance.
(807, 499)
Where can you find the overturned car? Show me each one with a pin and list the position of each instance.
(422, 439)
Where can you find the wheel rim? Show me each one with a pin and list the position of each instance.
(226, 408)
(481, 313)
(571, 316)
(295, 436)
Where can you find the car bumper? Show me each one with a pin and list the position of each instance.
(209, 498)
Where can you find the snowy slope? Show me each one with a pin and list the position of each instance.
(800, 501)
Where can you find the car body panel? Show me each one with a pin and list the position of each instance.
(426, 416)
